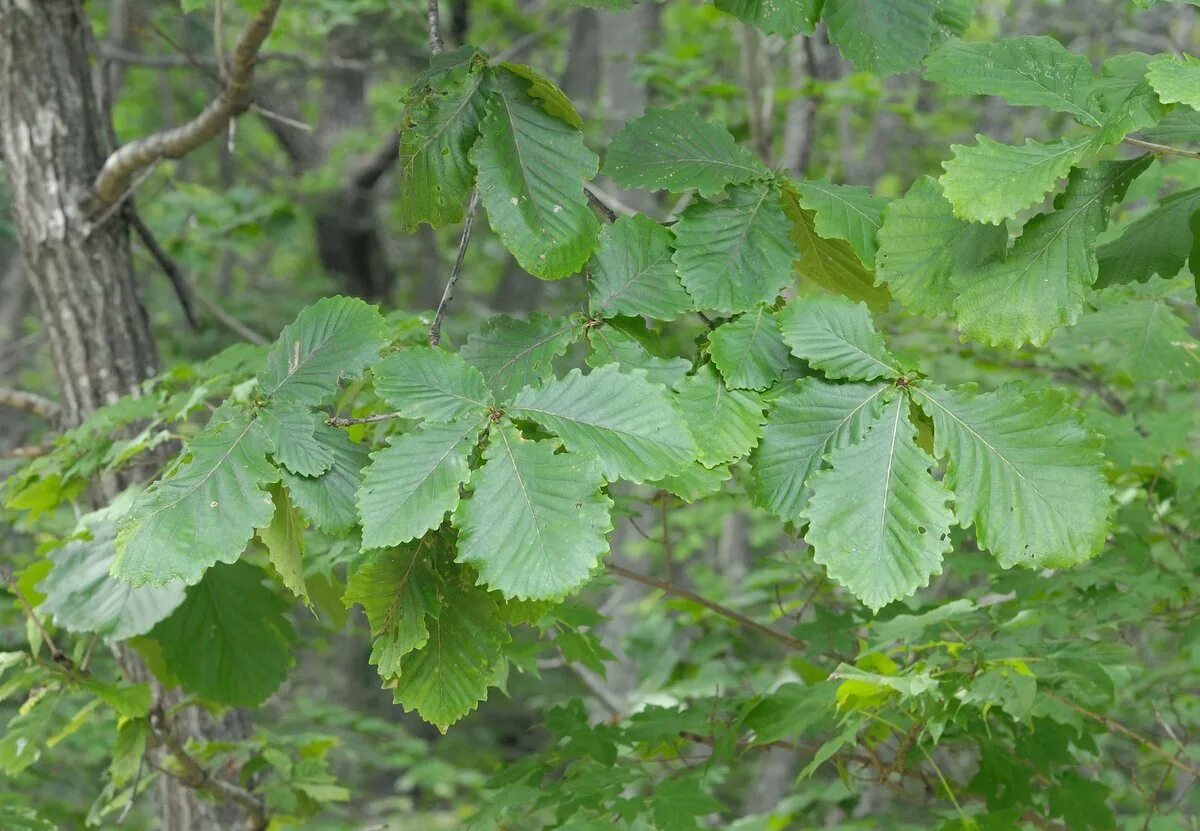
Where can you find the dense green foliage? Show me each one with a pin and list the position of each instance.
(953, 413)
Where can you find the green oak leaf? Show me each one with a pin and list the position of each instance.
(1024, 472)
(632, 272)
(292, 431)
(836, 336)
(878, 521)
(775, 17)
(440, 123)
(805, 424)
(992, 182)
(431, 384)
(334, 338)
(450, 673)
(749, 351)
(923, 247)
(81, 596)
(845, 212)
(532, 167)
(284, 539)
(626, 343)
(397, 589)
(205, 512)
(883, 36)
(536, 523)
(1158, 242)
(1040, 283)
(627, 424)
(1024, 71)
(414, 482)
(676, 150)
(737, 253)
(1176, 80)
(513, 354)
(230, 641)
(327, 501)
(729, 421)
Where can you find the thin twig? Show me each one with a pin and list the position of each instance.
(724, 611)
(436, 45)
(168, 266)
(435, 329)
(7, 579)
(235, 98)
(339, 421)
(29, 402)
(1161, 149)
(218, 41)
(230, 322)
(1117, 727)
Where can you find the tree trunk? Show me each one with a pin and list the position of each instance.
(53, 137)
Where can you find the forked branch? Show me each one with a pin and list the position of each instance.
(126, 161)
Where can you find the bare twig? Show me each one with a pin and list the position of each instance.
(196, 777)
(29, 402)
(435, 329)
(436, 45)
(1162, 149)
(168, 266)
(230, 322)
(30, 451)
(1117, 727)
(233, 100)
(340, 421)
(724, 611)
(209, 66)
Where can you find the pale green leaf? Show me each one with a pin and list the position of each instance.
(447, 677)
(327, 501)
(532, 167)
(431, 384)
(17, 817)
(1158, 242)
(632, 272)
(284, 539)
(620, 342)
(413, 483)
(805, 424)
(1024, 472)
(830, 263)
(623, 421)
(1041, 282)
(81, 596)
(1024, 71)
(775, 17)
(735, 254)
(749, 351)
(923, 246)
(334, 338)
(883, 36)
(441, 121)
(1124, 100)
(727, 422)
(513, 353)
(397, 588)
(549, 97)
(695, 481)
(292, 431)
(878, 521)
(676, 150)
(992, 182)
(203, 514)
(230, 641)
(837, 336)
(845, 212)
(1176, 80)
(536, 523)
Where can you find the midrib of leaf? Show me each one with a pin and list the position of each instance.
(741, 238)
(300, 364)
(212, 471)
(833, 194)
(525, 493)
(1072, 107)
(995, 452)
(733, 166)
(527, 350)
(445, 126)
(593, 425)
(390, 618)
(1062, 229)
(891, 466)
(516, 145)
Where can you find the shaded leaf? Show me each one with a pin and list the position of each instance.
(513, 353)
(632, 272)
(837, 337)
(749, 351)
(431, 384)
